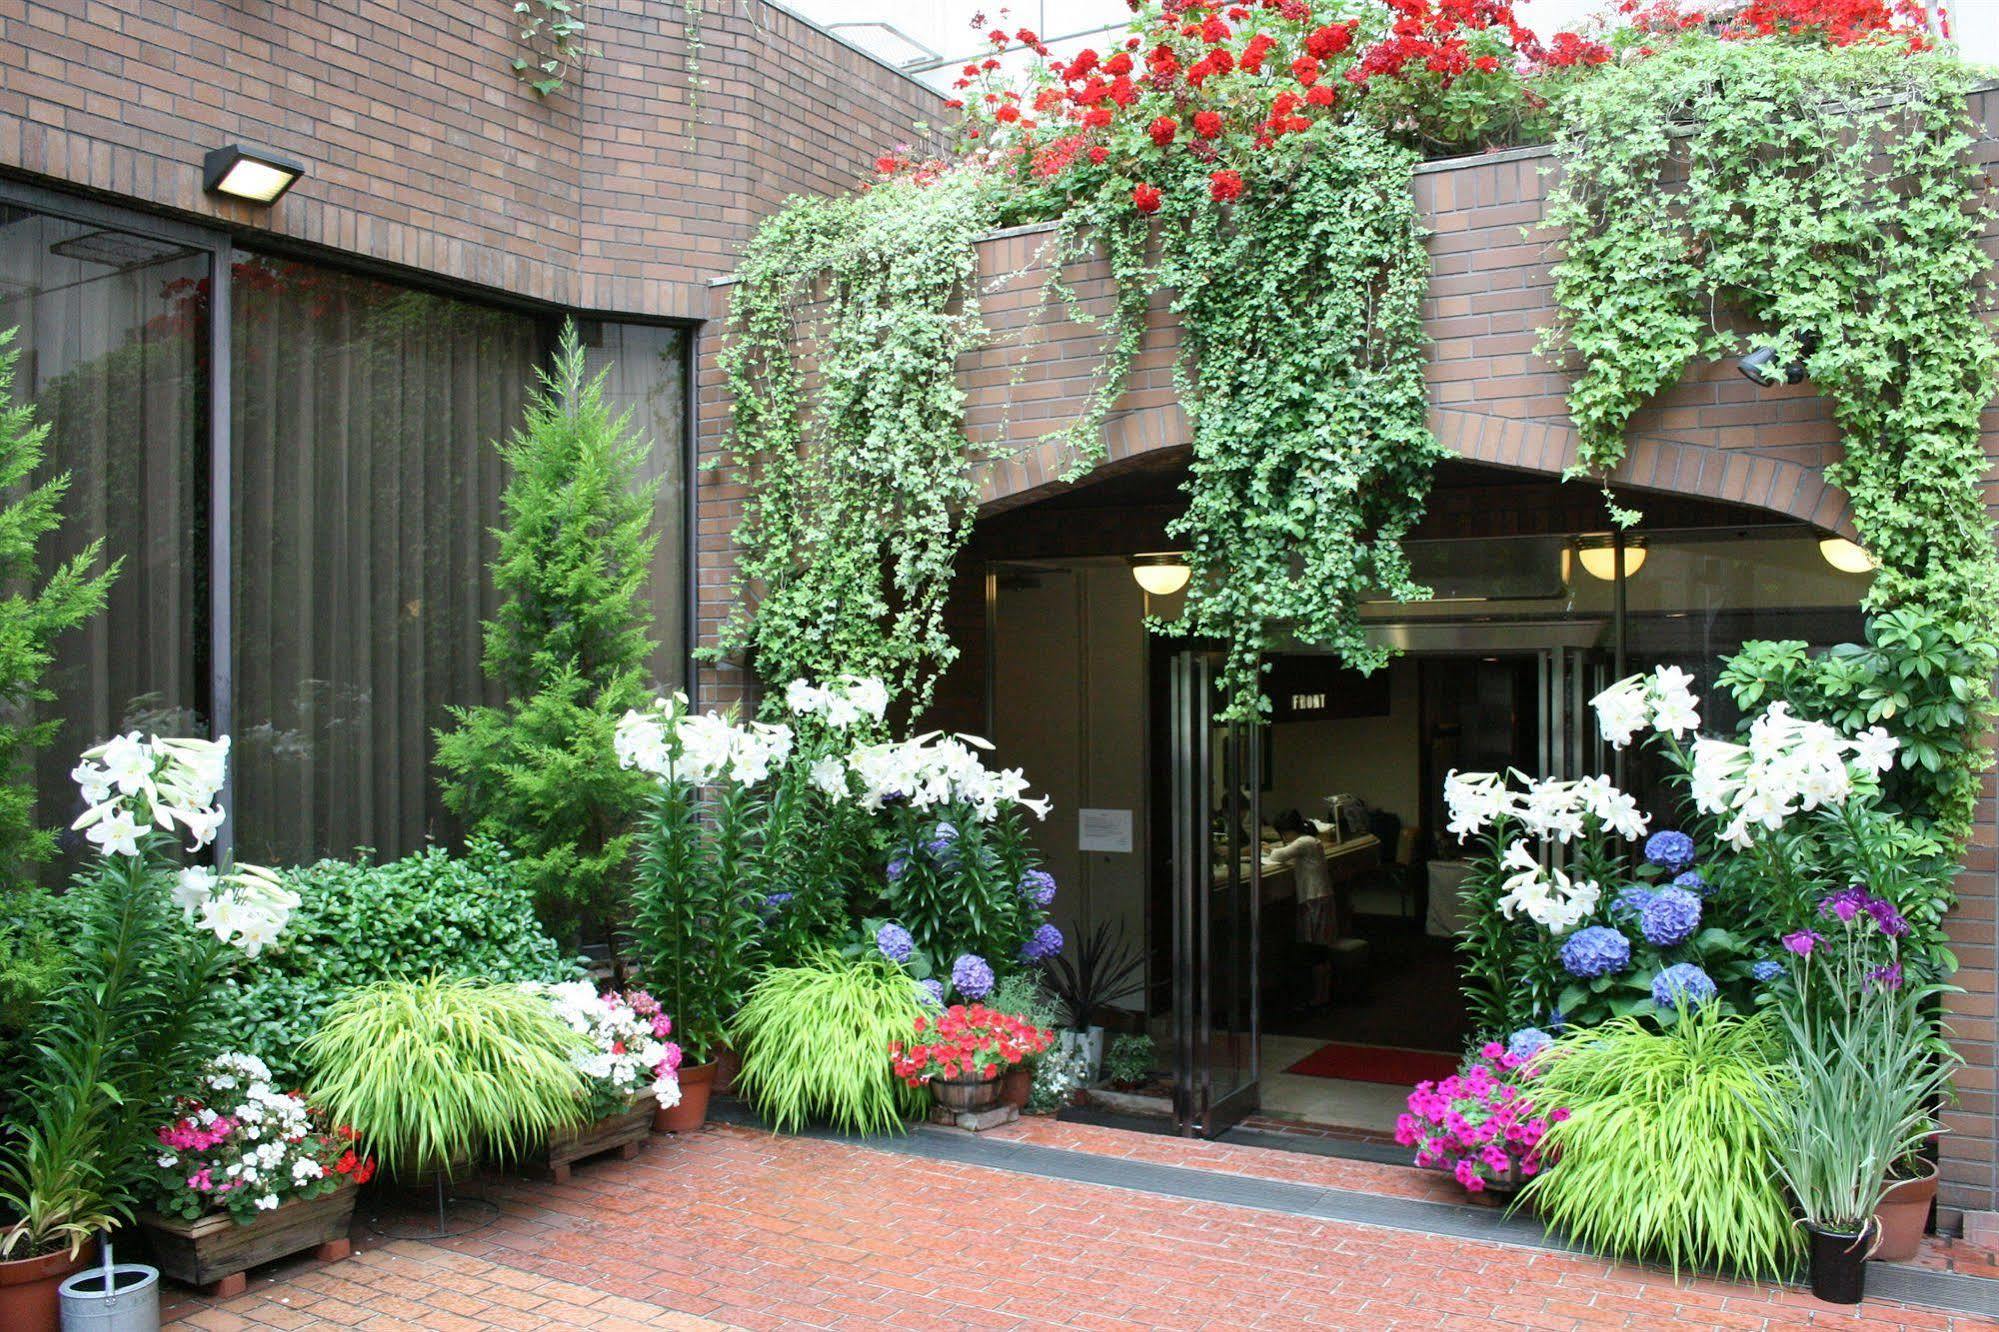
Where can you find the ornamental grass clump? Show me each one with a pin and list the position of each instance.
(1665, 1154)
(434, 1072)
(815, 1039)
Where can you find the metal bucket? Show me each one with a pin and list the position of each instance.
(124, 1297)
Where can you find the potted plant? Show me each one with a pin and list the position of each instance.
(1481, 1124)
(1128, 1063)
(1023, 996)
(246, 1173)
(119, 1034)
(1105, 966)
(698, 892)
(961, 1053)
(1904, 1209)
(1863, 1067)
(628, 1071)
(437, 1073)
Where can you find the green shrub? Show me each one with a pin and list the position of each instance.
(1023, 995)
(358, 923)
(1665, 1154)
(570, 645)
(438, 1071)
(1129, 1060)
(814, 1041)
(34, 950)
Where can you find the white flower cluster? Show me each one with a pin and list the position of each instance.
(624, 1052)
(673, 743)
(1663, 701)
(272, 1150)
(1552, 810)
(1788, 765)
(130, 784)
(930, 770)
(842, 702)
(246, 908)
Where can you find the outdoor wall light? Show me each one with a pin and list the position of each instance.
(1598, 556)
(1760, 366)
(1161, 574)
(255, 174)
(1847, 556)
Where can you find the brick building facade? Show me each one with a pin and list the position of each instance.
(628, 193)
(1715, 438)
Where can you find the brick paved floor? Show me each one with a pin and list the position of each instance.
(734, 1226)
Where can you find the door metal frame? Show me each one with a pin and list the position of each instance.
(1197, 1110)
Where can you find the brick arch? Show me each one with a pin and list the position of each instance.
(1678, 467)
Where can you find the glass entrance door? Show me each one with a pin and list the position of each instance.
(1217, 884)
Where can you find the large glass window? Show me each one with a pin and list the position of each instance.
(113, 336)
(366, 482)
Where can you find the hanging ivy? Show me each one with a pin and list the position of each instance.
(1819, 200)
(1302, 374)
(859, 493)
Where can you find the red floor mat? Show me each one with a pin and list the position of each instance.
(1375, 1063)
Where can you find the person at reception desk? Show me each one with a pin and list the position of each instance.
(1299, 850)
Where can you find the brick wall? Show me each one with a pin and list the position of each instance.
(1714, 437)
(424, 151)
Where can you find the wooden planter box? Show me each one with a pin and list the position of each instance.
(621, 1133)
(215, 1251)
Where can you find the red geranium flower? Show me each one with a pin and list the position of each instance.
(1163, 130)
(1224, 186)
(1207, 124)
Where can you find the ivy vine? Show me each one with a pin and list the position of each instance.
(552, 33)
(1824, 197)
(1302, 374)
(858, 494)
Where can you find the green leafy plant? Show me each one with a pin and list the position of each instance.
(1024, 995)
(1921, 674)
(570, 646)
(1863, 1065)
(814, 1041)
(1105, 967)
(438, 1071)
(35, 610)
(552, 33)
(358, 923)
(1128, 1061)
(1666, 1153)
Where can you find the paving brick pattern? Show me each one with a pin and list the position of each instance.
(733, 1227)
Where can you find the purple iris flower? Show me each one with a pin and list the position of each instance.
(1802, 942)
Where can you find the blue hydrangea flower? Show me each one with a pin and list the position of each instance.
(1038, 887)
(774, 903)
(930, 993)
(1045, 942)
(1683, 982)
(1528, 1042)
(1632, 901)
(895, 942)
(1671, 918)
(898, 865)
(1766, 969)
(1691, 881)
(1596, 950)
(1670, 851)
(971, 977)
(1557, 1020)
(943, 845)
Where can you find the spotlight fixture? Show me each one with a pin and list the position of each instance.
(1597, 554)
(1161, 573)
(256, 175)
(1847, 556)
(1760, 366)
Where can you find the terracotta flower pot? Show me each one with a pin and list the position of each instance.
(727, 1065)
(28, 1288)
(1016, 1085)
(696, 1081)
(1903, 1212)
(966, 1095)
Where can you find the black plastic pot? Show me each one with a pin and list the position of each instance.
(1839, 1263)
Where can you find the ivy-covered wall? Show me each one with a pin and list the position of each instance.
(1493, 399)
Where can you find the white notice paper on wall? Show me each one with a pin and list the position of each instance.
(1103, 830)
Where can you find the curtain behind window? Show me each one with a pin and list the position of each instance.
(366, 484)
(112, 334)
